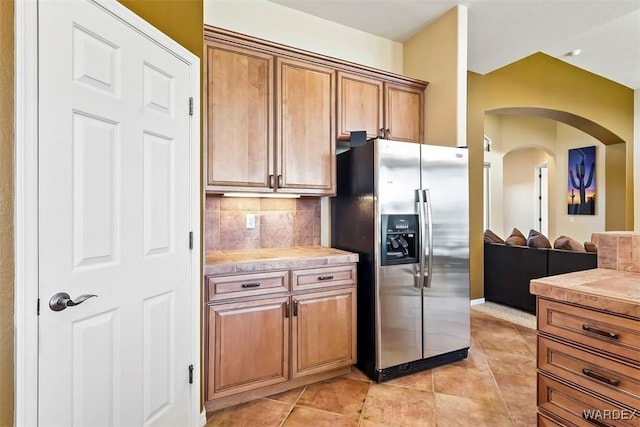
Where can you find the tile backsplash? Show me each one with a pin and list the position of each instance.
(618, 250)
(280, 223)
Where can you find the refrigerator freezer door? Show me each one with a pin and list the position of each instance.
(399, 301)
(446, 325)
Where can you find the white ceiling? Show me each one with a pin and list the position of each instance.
(504, 31)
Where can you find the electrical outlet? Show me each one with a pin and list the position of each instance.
(251, 221)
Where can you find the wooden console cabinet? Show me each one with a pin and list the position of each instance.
(271, 331)
(588, 366)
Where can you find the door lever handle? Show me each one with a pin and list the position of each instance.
(62, 300)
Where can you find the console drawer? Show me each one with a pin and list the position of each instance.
(245, 285)
(314, 278)
(605, 332)
(609, 377)
(577, 406)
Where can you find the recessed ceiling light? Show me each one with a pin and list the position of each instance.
(575, 52)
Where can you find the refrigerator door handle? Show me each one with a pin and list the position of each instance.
(428, 214)
(421, 241)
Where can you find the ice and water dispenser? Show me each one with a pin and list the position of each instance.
(399, 239)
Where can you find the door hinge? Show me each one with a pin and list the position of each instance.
(191, 240)
(191, 374)
(191, 106)
(38, 307)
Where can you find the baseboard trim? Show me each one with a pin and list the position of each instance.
(477, 301)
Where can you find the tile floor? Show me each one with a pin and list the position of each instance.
(495, 386)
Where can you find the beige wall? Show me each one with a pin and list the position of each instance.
(273, 22)
(544, 82)
(519, 205)
(438, 55)
(548, 141)
(6, 212)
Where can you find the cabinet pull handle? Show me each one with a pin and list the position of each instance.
(597, 376)
(271, 181)
(387, 134)
(251, 285)
(287, 310)
(590, 418)
(279, 181)
(381, 133)
(295, 308)
(607, 334)
(325, 277)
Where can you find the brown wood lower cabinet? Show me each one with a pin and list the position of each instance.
(261, 344)
(323, 334)
(248, 345)
(588, 366)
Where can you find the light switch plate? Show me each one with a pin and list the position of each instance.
(251, 221)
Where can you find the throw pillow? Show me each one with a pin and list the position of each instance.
(590, 247)
(538, 240)
(516, 238)
(568, 244)
(491, 237)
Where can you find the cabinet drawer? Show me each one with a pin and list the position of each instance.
(315, 278)
(601, 331)
(616, 380)
(244, 285)
(577, 406)
(547, 422)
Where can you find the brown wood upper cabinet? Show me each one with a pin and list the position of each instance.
(270, 123)
(305, 99)
(239, 118)
(384, 109)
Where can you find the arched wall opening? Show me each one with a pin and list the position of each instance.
(521, 143)
(549, 84)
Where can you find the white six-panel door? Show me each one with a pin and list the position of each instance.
(114, 221)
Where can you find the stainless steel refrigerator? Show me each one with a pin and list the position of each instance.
(404, 208)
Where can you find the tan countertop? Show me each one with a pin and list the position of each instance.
(610, 290)
(241, 261)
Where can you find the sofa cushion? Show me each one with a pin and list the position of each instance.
(516, 238)
(590, 247)
(538, 240)
(568, 244)
(491, 237)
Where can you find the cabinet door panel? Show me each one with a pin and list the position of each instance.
(239, 129)
(359, 105)
(324, 331)
(248, 346)
(305, 128)
(403, 112)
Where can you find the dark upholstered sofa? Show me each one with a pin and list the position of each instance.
(508, 270)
